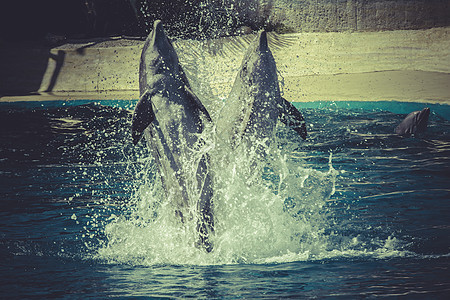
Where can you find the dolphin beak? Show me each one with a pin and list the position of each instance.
(425, 113)
(158, 28)
(263, 45)
(422, 119)
(159, 36)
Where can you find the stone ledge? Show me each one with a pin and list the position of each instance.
(404, 65)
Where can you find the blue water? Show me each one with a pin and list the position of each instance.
(353, 212)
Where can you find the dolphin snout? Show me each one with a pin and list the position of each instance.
(263, 45)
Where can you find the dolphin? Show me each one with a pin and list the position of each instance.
(415, 122)
(255, 103)
(173, 118)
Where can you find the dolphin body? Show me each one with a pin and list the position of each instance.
(415, 122)
(175, 118)
(255, 104)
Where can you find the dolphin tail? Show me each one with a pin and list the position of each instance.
(143, 116)
(290, 116)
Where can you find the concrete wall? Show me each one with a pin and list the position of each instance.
(353, 15)
(69, 71)
(403, 65)
(97, 70)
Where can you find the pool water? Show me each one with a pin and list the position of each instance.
(353, 211)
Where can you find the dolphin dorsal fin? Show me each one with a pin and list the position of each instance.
(143, 116)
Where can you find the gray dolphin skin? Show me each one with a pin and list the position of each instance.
(255, 101)
(415, 122)
(172, 118)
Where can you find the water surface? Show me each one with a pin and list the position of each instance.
(352, 211)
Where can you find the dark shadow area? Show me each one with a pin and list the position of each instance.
(59, 60)
(54, 21)
(23, 66)
(73, 134)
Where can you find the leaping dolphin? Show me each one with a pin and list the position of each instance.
(175, 118)
(415, 122)
(255, 101)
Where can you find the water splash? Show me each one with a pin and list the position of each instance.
(270, 205)
(264, 208)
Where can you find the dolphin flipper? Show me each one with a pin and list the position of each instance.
(290, 116)
(143, 116)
